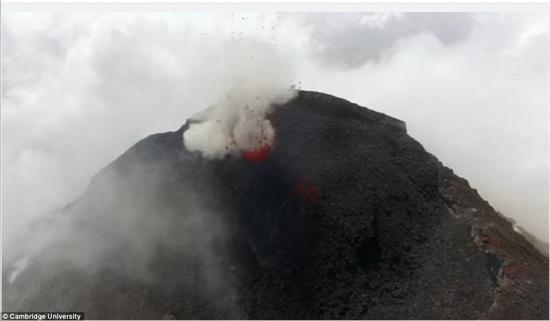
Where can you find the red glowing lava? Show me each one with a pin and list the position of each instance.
(312, 195)
(308, 192)
(258, 155)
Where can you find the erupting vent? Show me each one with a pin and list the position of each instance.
(258, 155)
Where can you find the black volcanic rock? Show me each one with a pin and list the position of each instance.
(387, 232)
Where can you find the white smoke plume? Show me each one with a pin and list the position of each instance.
(238, 121)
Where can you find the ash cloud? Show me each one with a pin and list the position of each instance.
(258, 80)
(238, 122)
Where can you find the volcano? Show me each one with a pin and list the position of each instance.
(345, 216)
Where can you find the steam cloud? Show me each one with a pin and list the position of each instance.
(257, 78)
(238, 122)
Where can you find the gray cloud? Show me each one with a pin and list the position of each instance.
(350, 40)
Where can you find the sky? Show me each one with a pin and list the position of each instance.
(78, 89)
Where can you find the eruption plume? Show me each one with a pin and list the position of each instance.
(238, 123)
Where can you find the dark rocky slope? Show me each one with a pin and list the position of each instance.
(349, 218)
